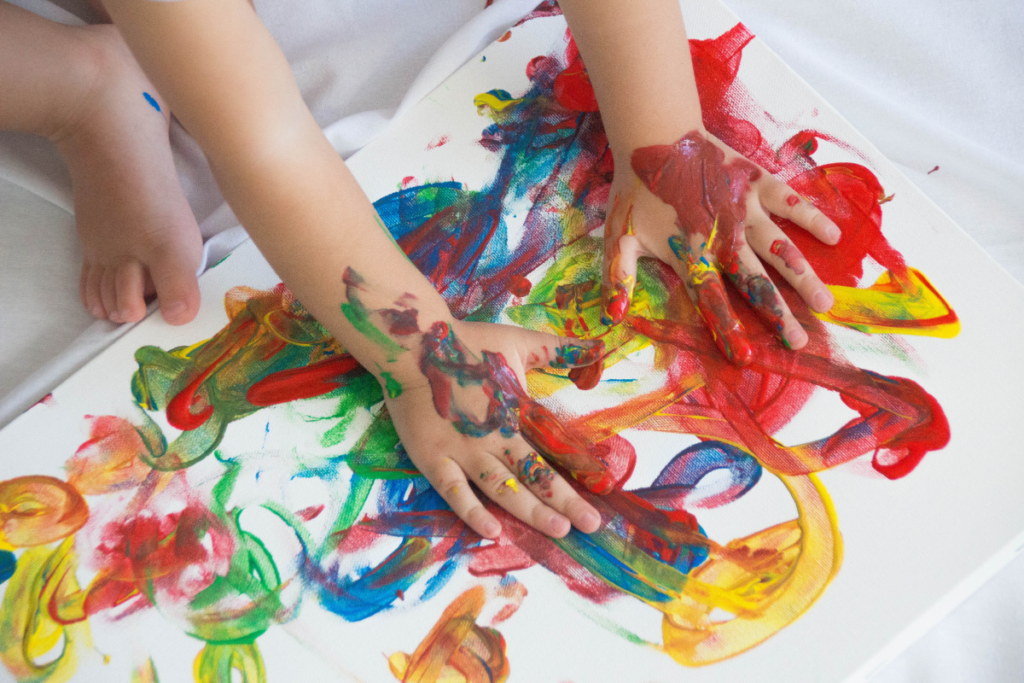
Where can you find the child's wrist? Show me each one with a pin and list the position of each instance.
(626, 143)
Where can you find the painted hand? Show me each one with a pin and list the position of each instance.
(466, 424)
(703, 208)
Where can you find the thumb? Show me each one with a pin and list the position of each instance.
(621, 250)
(584, 358)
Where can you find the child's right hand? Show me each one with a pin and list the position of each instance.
(702, 208)
(460, 422)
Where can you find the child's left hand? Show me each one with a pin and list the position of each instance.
(702, 208)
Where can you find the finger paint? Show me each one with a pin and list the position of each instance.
(709, 197)
(535, 472)
(620, 284)
(789, 254)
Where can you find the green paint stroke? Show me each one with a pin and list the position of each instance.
(218, 663)
(393, 386)
(355, 313)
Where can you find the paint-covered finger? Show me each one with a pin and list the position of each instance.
(707, 291)
(781, 200)
(565, 446)
(753, 283)
(505, 489)
(583, 358)
(450, 482)
(533, 471)
(772, 245)
(621, 250)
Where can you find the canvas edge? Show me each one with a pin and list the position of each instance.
(940, 610)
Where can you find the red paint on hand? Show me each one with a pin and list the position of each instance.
(709, 197)
(564, 447)
(789, 254)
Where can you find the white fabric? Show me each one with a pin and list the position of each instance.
(931, 82)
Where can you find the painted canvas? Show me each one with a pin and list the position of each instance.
(228, 501)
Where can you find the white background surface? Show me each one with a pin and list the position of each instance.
(929, 83)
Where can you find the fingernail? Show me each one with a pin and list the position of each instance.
(797, 338)
(492, 529)
(590, 520)
(116, 317)
(174, 310)
(833, 234)
(559, 525)
(822, 301)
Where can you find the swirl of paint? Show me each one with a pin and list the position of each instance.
(39, 509)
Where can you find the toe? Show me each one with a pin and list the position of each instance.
(176, 288)
(129, 284)
(93, 301)
(108, 296)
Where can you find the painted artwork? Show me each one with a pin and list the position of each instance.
(229, 501)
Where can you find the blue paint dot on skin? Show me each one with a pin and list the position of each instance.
(8, 562)
(152, 101)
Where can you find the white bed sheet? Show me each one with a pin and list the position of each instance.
(930, 82)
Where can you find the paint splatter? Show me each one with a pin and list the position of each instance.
(439, 142)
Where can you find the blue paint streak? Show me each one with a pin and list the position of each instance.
(152, 101)
(8, 562)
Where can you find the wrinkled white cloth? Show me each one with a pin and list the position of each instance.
(930, 82)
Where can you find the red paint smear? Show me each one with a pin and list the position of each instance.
(45, 400)
(520, 286)
(932, 171)
(793, 200)
(441, 141)
(312, 512)
(566, 448)
(304, 382)
(849, 194)
(505, 36)
(146, 553)
(179, 409)
(746, 405)
(572, 87)
(588, 376)
(789, 254)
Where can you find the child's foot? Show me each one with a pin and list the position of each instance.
(138, 234)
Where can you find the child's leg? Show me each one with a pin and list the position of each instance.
(81, 88)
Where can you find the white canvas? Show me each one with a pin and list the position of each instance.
(909, 547)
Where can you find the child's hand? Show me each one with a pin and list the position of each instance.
(463, 423)
(703, 209)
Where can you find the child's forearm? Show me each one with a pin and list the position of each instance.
(638, 59)
(231, 87)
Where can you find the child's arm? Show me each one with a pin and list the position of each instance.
(679, 193)
(232, 89)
